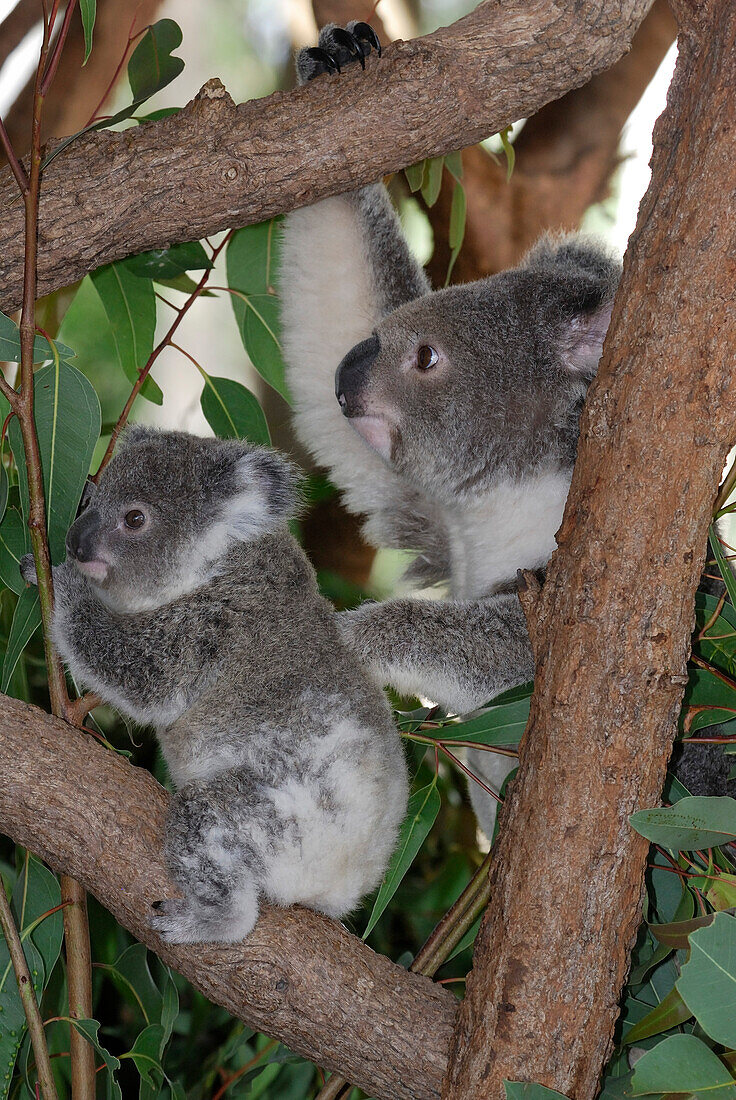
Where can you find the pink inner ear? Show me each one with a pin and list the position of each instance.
(582, 344)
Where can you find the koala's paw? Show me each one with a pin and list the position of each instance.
(28, 569)
(357, 628)
(338, 46)
(181, 920)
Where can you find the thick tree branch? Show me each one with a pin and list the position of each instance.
(613, 621)
(216, 165)
(299, 976)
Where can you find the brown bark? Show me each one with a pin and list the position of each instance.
(299, 977)
(77, 90)
(216, 165)
(612, 624)
(566, 155)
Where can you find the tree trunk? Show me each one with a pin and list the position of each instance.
(611, 627)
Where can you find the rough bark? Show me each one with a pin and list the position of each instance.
(299, 977)
(612, 625)
(77, 90)
(216, 165)
(566, 155)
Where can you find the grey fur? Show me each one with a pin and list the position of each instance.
(209, 625)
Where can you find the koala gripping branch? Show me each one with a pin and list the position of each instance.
(299, 976)
(612, 624)
(215, 165)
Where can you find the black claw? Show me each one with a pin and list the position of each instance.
(322, 57)
(365, 32)
(350, 43)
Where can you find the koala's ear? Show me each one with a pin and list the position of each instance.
(582, 276)
(264, 490)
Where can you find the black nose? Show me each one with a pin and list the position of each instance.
(352, 373)
(81, 537)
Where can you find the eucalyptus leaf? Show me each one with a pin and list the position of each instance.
(42, 350)
(454, 164)
(130, 304)
(693, 823)
(415, 175)
(708, 979)
(169, 263)
(89, 1029)
(682, 1063)
(525, 1090)
(13, 545)
(67, 415)
(456, 232)
(424, 805)
(152, 66)
(508, 150)
(254, 257)
(233, 412)
(132, 976)
(432, 183)
(88, 11)
(251, 259)
(146, 1055)
(3, 490)
(26, 621)
(499, 724)
(723, 565)
(667, 1014)
(717, 645)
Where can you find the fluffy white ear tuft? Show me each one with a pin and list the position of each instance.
(581, 343)
(266, 494)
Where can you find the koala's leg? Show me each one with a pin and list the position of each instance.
(211, 859)
(458, 654)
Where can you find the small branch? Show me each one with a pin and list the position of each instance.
(48, 77)
(28, 997)
(16, 165)
(146, 370)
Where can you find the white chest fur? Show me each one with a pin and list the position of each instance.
(511, 527)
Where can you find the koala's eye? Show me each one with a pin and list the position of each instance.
(134, 519)
(426, 358)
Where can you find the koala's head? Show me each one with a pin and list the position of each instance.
(168, 507)
(464, 385)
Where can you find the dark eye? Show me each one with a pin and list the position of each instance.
(426, 357)
(134, 519)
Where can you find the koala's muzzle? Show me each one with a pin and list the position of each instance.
(82, 538)
(352, 373)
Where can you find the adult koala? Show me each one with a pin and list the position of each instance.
(455, 426)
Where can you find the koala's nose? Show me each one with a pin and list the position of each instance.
(81, 537)
(353, 371)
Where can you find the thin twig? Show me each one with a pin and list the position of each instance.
(16, 165)
(28, 997)
(244, 1069)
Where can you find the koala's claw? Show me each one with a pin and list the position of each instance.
(338, 46)
(27, 568)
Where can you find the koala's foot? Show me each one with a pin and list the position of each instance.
(337, 47)
(186, 920)
(27, 567)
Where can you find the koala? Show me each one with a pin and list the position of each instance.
(186, 604)
(449, 419)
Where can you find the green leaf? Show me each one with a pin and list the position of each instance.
(524, 1090)
(508, 150)
(145, 1053)
(4, 486)
(130, 305)
(415, 175)
(260, 329)
(424, 805)
(232, 411)
(432, 183)
(676, 934)
(454, 164)
(151, 66)
(88, 11)
(725, 569)
(668, 1013)
(708, 980)
(131, 974)
(42, 351)
(499, 724)
(682, 1063)
(26, 621)
(254, 257)
(456, 233)
(89, 1029)
(718, 645)
(13, 545)
(67, 415)
(691, 824)
(705, 689)
(169, 263)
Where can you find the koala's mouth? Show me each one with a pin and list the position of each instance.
(95, 569)
(377, 433)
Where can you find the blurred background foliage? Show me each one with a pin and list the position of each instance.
(579, 162)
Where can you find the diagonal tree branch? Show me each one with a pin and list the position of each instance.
(611, 627)
(216, 165)
(299, 977)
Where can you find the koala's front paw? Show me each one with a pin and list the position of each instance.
(27, 568)
(338, 46)
(357, 628)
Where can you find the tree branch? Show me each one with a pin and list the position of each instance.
(216, 165)
(299, 977)
(615, 616)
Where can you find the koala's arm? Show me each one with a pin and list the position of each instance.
(345, 264)
(458, 654)
(145, 664)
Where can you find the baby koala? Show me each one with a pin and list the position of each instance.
(186, 603)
